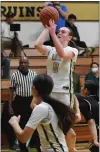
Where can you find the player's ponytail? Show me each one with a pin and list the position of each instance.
(66, 115)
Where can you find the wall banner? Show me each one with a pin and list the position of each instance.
(29, 11)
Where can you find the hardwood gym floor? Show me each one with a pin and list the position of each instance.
(81, 147)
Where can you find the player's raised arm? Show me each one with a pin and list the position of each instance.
(46, 14)
(39, 42)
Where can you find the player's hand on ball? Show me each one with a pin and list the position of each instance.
(51, 27)
(13, 120)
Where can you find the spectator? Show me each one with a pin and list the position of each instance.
(21, 84)
(76, 38)
(91, 106)
(80, 45)
(76, 82)
(50, 116)
(94, 73)
(8, 40)
(62, 10)
(5, 66)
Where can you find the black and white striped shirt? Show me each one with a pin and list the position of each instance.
(22, 83)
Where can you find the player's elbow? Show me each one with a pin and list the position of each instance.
(23, 139)
(39, 48)
(36, 45)
(61, 55)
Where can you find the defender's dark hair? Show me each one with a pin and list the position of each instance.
(92, 87)
(94, 63)
(66, 116)
(72, 16)
(44, 84)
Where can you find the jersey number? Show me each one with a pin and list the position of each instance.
(55, 67)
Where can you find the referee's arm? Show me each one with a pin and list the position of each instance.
(11, 94)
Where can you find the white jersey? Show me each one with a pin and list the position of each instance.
(61, 69)
(51, 136)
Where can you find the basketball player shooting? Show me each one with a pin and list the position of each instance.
(60, 63)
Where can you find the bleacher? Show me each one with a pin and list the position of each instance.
(37, 62)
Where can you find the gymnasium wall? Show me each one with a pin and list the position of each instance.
(27, 14)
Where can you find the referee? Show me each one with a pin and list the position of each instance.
(21, 87)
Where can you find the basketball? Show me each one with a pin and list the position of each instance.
(48, 13)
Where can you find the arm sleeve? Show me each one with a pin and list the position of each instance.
(39, 113)
(74, 50)
(49, 49)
